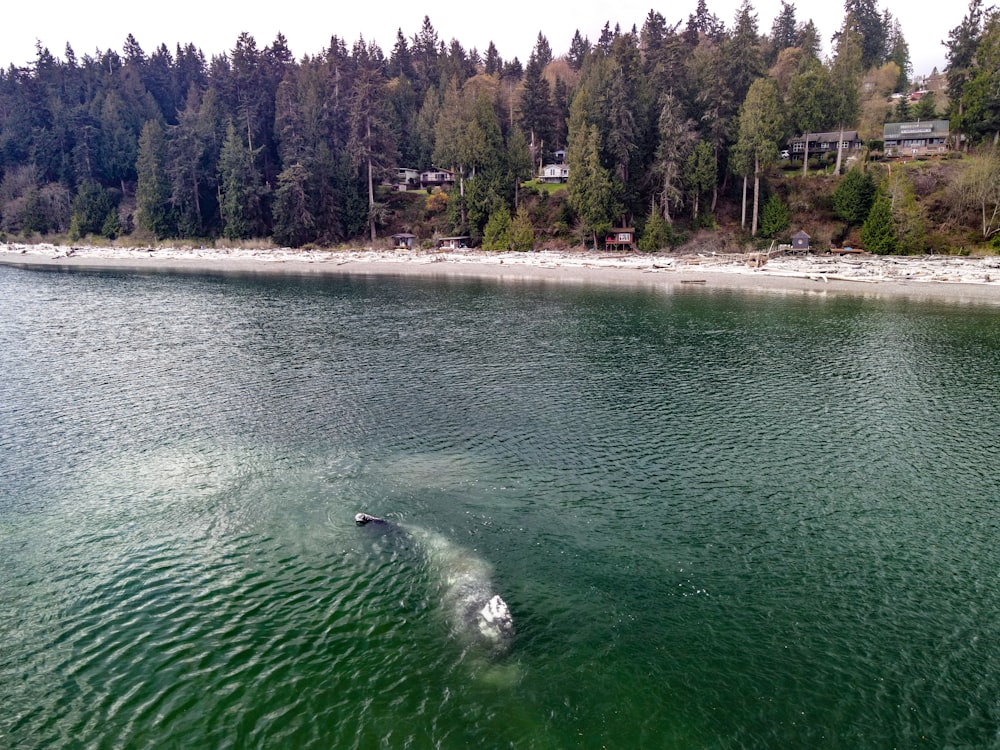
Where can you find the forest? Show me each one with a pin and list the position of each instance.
(663, 127)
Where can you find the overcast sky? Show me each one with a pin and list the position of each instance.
(513, 25)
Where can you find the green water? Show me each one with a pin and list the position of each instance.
(720, 520)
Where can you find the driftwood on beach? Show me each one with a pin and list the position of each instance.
(941, 276)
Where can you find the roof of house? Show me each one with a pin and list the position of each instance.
(832, 136)
(896, 130)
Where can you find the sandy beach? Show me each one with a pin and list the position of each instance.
(929, 277)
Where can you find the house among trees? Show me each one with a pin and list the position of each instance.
(437, 178)
(407, 179)
(403, 241)
(822, 143)
(800, 240)
(621, 238)
(916, 138)
(554, 173)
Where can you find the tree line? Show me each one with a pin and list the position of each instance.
(656, 122)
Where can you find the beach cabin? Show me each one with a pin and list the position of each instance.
(453, 243)
(916, 138)
(800, 241)
(403, 241)
(621, 238)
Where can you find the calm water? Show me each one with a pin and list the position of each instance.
(720, 520)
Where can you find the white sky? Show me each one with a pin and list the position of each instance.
(308, 26)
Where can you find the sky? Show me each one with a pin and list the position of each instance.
(513, 26)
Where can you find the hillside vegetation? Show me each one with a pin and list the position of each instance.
(675, 129)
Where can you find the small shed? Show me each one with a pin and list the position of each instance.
(453, 243)
(800, 241)
(621, 238)
(404, 241)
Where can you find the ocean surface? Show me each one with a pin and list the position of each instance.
(719, 519)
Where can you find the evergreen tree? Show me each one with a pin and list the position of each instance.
(90, 210)
(845, 79)
(809, 40)
(980, 96)
(775, 217)
(591, 192)
(899, 53)
(400, 60)
(925, 109)
(522, 233)
(742, 52)
(700, 174)
(862, 17)
(579, 48)
(761, 125)
(963, 41)
(240, 187)
(542, 52)
(535, 108)
(902, 112)
(152, 192)
(293, 222)
(784, 31)
(493, 64)
(189, 167)
(656, 232)
(490, 186)
(878, 235)
(496, 235)
(853, 197)
(677, 138)
(371, 146)
(807, 106)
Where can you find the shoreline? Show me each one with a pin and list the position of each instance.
(946, 278)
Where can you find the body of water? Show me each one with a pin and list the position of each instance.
(720, 520)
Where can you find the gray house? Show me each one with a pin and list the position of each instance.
(822, 143)
(916, 138)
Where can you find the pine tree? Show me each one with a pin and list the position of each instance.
(700, 173)
(761, 125)
(878, 234)
(591, 192)
(535, 108)
(845, 77)
(853, 197)
(240, 188)
(496, 235)
(656, 233)
(152, 192)
(579, 48)
(677, 139)
(293, 222)
(522, 232)
(775, 217)
(90, 208)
